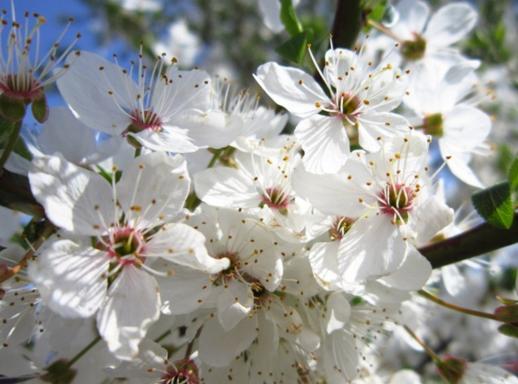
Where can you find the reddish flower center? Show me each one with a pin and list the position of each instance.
(125, 242)
(20, 87)
(276, 198)
(397, 199)
(147, 119)
(184, 372)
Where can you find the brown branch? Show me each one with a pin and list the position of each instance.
(347, 23)
(477, 241)
(15, 193)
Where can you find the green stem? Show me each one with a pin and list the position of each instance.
(215, 157)
(456, 308)
(429, 351)
(83, 351)
(10, 145)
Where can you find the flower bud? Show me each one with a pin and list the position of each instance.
(507, 313)
(59, 372)
(451, 369)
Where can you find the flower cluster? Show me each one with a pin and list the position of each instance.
(193, 239)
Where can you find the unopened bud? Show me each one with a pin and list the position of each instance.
(451, 369)
(507, 313)
(59, 372)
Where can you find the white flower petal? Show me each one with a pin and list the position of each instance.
(335, 194)
(235, 302)
(465, 127)
(74, 199)
(338, 312)
(170, 139)
(153, 187)
(405, 376)
(431, 216)
(412, 274)
(186, 290)
(215, 129)
(322, 258)
(85, 89)
(218, 348)
(226, 187)
(453, 280)
(413, 15)
(132, 306)
(291, 88)
(184, 90)
(373, 247)
(71, 277)
(271, 10)
(325, 143)
(450, 24)
(184, 245)
(63, 133)
(458, 164)
(380, 125)
(340, 356)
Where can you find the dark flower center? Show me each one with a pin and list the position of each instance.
(414, 49)
(433, 125)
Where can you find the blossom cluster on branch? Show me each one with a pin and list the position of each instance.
(188, 237)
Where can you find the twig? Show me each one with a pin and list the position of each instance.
(477, 241)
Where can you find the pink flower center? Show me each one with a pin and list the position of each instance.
(141, 121)
(397, 199)
(184, 372)
(276, 198)
(20, 87)
(126, 242)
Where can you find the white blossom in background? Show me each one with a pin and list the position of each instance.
(140, 5)
(180, 43)
(271, 13)
(356, 103)
(425, 40)
(445, 108)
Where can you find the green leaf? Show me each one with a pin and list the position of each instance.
(289, 18)
(513, 175)
(378, 10)
(294, 49)
(508, 330)
(495, 206)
